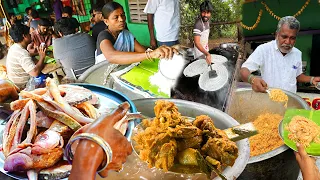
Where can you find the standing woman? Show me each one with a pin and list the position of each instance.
(118, 46)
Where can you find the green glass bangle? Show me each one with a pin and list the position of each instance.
(249, 78)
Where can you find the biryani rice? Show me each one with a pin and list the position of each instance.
(303, 130)
(267, 138)
(278, 95)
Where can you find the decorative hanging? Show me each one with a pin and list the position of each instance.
(277, 17)
(78, 7)
(255, 24)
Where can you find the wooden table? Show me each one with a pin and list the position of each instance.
(54, 69)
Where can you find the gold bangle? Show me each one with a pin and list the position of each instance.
(252, 81)
(249, 78)
(92, 137)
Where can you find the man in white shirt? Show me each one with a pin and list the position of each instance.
(20, 66)
(165, 16)
(279, 62)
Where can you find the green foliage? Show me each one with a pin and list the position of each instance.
(224, 11)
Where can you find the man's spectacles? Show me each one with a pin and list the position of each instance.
(93, 15)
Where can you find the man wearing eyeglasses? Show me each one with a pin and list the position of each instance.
(97, 20)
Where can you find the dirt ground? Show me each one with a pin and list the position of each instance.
(213, 43)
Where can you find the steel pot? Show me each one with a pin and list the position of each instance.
(245, 106)
(221, 120)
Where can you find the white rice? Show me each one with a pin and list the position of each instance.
(164, 84)
(172, 68)
(214, 84)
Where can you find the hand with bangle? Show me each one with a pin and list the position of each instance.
(314, 81)
(258, 84)
(163, 51)
(101, 147)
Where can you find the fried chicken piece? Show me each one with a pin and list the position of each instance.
(205, 123)
(184, 131)
(146, 123)
(186, 143)
(166, 155)
(221, 149)
(214, 162)
(156, 146)
(167, 114)
(201, 121)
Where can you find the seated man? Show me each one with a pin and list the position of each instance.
(43, 34)
(19, 63)
(74, 50)
(13, 19)
(67, 12)
(34, 22)
(27, 18)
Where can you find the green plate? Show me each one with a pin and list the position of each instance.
(139, 77)
(47, 60)
(313, 149)
(50, 48)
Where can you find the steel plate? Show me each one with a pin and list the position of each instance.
(109, 98)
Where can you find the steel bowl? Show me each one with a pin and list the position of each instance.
(221, 121)
(245, 106)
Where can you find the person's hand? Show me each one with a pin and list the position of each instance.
(163, 52)
(8, 90)
(153, 43)
(50, 31)
(120, 146)
(42, 51)
(208, 58)
(307, 164)
(258, 84)
(316, 80)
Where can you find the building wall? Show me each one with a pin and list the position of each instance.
(308, 19)
(304, 44)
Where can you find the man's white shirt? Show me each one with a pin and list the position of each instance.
(277, 71)
(166, 18)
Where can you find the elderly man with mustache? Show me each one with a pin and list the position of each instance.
(279, 61)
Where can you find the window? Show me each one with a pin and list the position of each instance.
(136, 11)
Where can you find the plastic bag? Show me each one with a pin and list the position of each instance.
(36, 82)
(31, 84)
